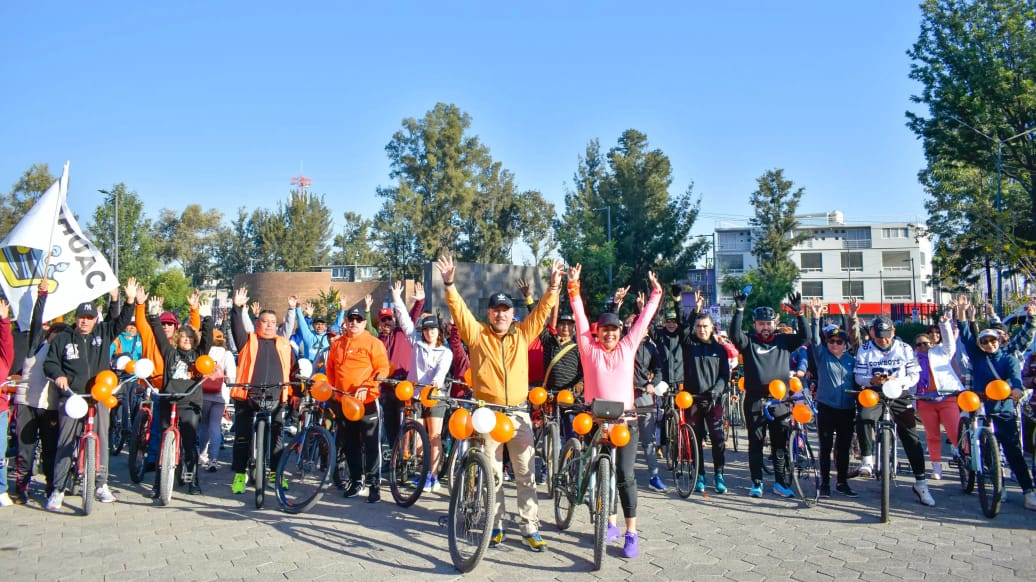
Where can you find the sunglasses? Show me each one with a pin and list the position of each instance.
(922, 344)
(170, 324)
(836, 341)
(355, 319)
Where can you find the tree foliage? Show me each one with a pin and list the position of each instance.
(295, 236)
(191, 238)
(236, 248)
(354, 245)
(138, 255)
(24, 193)
(173, 286)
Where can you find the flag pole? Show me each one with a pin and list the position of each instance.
(62, 197)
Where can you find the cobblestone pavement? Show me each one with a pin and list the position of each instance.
(731, 536)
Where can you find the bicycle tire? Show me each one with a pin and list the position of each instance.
(602, 504)
(672, 427)
(410, 462)
(340, 471)
(451, 466)
(166, 468)
(805, 472)
(259, 473)
(685, 472)
(472, 506)
(991, 479)
(305, 466)
(138, 445)
(89, 485)
(566, 483)
(552, 450)
(116, 441)
(737, 421)
(964, 471)
(886, 475)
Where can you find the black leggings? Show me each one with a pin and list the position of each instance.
(711, 419)
(757, 428)
(625, 479)
(35, 424)
(836, 428)
(361, 441)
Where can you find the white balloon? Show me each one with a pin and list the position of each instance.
(661, 388)
(144, 368)
(483, 420)
(305, 368)
(120, 364)
(893, 388)
(76, 406)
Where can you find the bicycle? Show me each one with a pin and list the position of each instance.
(885, 443)
(733, 413)
(307, 461)
(670, 425)
(804, 467)
(411, 456)
(453, 448)
(586, 473)
(86, 455)
(140, 438)
(546, 429)
(170, 450)
(262, 440)
(978, 450)
(682, 456)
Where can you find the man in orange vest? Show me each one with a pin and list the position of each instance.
(264, 358)
(356, 358)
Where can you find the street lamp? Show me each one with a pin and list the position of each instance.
(608, 209)
(115, 258)
(999, 160)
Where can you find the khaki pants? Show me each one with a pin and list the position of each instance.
(523, 461)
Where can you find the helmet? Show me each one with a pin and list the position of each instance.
(764, 314)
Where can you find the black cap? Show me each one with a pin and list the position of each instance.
(319, 319)
(497, 299)
(86, 310)
(670, 315)
(881, 327)
(609, 318)
(356, 312)
(429, 322)
(566, 316)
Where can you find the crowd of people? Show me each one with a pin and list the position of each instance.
(507, 349)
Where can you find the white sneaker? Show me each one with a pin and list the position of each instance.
(937, 471)
(923, 495)
(56, 499)
(104, 495)
(866, 470)
(5, 499)
(1030, 500)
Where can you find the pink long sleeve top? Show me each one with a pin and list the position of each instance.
(609, 374)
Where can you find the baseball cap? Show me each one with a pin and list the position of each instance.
(988, 333)
(670, 315)
(566, 316)
(169, 317)
(838, 333)
(429, 322)
(829, 328)
(881, 327)
(86, 310)
(356, 312)
(385, 313)
(319, 319)
(608, 318)
(497, 299)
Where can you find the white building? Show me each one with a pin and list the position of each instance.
(886, 266)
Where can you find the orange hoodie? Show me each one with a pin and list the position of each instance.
(354, 363)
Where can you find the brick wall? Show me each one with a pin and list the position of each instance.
(272, 290)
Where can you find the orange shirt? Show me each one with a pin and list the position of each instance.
(354, 363)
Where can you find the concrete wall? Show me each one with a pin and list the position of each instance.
(478, 281)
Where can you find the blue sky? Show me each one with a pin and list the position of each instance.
(217, 103)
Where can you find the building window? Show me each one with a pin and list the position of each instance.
(891, 233)
(857, 238)
(895, 260)
(852, 289)
(811, 262)
(731, 263)
(813, 289)
(896, 290)
(852, 261)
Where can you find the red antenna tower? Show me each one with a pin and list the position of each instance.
(301, 181)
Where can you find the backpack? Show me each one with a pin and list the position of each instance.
(213, 383)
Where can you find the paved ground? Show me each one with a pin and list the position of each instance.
(731, 536)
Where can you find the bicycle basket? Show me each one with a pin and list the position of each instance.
(606, 409)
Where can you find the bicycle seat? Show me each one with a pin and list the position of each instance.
(606, 409)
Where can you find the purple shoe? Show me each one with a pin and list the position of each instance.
(631, 549)
(612, 535)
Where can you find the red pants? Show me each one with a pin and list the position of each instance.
(932, 415)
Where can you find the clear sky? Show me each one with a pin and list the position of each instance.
(217, 103)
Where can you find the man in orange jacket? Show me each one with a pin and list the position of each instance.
(355, 359)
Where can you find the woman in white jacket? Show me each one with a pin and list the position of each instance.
(432, 360)
(214, 401)
(937, 389)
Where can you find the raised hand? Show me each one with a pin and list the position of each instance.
(308, 309)
(131, 289)
(816, 307)
(5, 309)
(141, 295)
(446, 268)
(256, 308)
(699, 301)
(368, 301)
(1030, 307)
(241, 297)
(397, 289)
(574, 272)
(654, 281)
(557, 271)
(524, 288)
(194, 299)
(154, 305)
(620, 294)
(854, 306)
(418, 291)
(293, 301)
(740, 299)
(795, 301)
(641, 301)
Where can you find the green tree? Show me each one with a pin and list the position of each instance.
(976, 62)
(24, 193)
(173, 286)
(138, 255)
(190, 238)
(581, 231)
(354, 245)
(294, 238)
(236, 248)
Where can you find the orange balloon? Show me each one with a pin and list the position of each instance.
(504, 429)
(998, 390)
(968, 401)
(582, 423)
(204, 365)
(778, 389)
(537, 396)
(100, 391)
(352, 408)
(619, 435)
(566, 397)
(795, 384)
(429, 397)
(684, 400)
(321, 391)
(802, 413)
(467, 377)
(404, 390)
(107, 378)
(868, 398)
(111, 401)
(460, 424)
(131, 366)
(741, 383)
(318, 377)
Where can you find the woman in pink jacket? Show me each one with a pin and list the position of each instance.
(608, 363)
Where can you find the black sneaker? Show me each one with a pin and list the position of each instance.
(373, 494)
(825, 490)
(194, 489)
(844, 489)
(354, 489)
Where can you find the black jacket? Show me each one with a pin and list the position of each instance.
(179, 364)
(765, 360)
(706, 368)
(79, 357)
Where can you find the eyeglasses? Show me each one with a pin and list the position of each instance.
(922, 344)
(836, 341)
(169, 323)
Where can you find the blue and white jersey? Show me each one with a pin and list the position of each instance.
(898, 362)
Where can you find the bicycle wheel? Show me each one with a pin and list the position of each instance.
(304, 470)
(89, 485)
(991, 479)
(259, 474)
(340, 470)
(671, 425)
(451, 467)
(805, 470)
(686, 469)
(964, 471)
(737, 421)
(116, 442)
(552, 450)
(138, 445)
(471, 512)
(409, 463)
(166, 468)
(885, 442)
(602, 504)
(566, 483)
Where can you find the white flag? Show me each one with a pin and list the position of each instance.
(77, 272)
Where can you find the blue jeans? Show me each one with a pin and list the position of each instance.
(5, 418)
